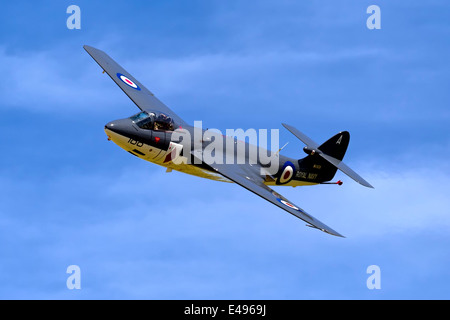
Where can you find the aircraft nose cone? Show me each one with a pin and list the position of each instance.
(122, 127)
(109, 125)
(117, 126)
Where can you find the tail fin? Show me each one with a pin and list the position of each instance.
(333, 151)
(336, 146)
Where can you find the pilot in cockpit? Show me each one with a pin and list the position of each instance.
(150, 121)
(163, 122)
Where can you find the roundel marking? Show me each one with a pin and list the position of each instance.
(290, 205)
(287, 172)
(127, 81)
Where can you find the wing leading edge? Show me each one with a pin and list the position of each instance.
(136, 91)
(248, 177)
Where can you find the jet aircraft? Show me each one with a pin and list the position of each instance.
(150, 135)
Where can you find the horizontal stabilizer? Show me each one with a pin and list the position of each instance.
(303, 137)
(313, 146)
(345, 169)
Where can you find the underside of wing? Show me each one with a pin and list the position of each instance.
(140, 95)
(248, 177)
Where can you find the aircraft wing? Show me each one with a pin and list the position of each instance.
(140, 95)
(248, 177)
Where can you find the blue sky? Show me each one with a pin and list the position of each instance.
(68, 196)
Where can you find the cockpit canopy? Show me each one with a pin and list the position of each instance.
(153, 121)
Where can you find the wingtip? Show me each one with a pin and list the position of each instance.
(90, 49)
(334, 233)
(366, 184)
(331, 231)
(87, 48)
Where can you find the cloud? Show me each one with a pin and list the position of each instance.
(70, 80)
(176, 74)
(408, 200)
(55, 81)
(132, 230)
